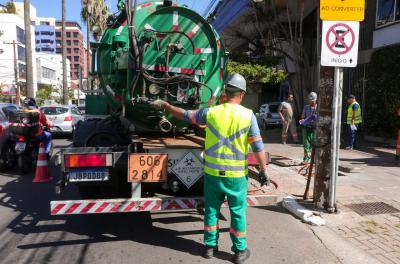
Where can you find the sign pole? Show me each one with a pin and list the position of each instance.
(335, 137)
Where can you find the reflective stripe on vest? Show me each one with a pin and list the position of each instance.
(226, 145)
(357, 119)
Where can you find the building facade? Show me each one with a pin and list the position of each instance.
(12, 35)
(50, 72)
(76, 50)
(45, 35)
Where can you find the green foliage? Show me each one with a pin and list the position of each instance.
(44, 93)
(255, 73)
(10, 8)
(383, 93)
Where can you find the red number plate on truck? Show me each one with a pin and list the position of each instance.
(147, 167)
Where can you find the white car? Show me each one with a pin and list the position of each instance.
(269, 114)
(64, 118)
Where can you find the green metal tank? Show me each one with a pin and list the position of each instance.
(179, 58)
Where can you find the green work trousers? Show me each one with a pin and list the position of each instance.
(309, 139)
(235, 191)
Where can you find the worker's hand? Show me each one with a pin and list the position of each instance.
(263, 178)
(301, 121)
(158, 104)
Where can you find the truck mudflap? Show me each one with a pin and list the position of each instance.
(101, 206)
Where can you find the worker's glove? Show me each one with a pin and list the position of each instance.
(263, 178)
(158, 104)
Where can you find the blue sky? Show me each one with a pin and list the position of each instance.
(52, 8)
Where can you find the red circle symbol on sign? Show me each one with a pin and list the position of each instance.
(340, 38)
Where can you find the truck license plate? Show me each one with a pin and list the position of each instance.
(147, 167)
(85, 175)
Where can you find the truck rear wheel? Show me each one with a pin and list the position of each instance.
(107, 132)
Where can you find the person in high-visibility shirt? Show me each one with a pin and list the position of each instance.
(230, 129)
(353, 120)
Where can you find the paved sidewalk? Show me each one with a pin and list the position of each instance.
(374, 185)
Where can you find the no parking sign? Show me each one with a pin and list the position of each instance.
(340, 43)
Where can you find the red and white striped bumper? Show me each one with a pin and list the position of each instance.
(142, 204)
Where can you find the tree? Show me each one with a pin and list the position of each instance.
(28, 50)
(65, 98)
(94, 13)
(44, 93)
(10, 8)
(257, 73)
(275, 28)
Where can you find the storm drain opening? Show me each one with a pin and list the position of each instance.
(373, 208)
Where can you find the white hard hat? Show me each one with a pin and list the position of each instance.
(235, 82)
(312, 96)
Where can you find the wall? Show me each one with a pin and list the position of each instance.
(8, 24)
(386, 36)
(45, 39)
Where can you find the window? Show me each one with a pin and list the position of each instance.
(69, 57)
(76, 42)
(75, 111)
(58, 34)
(68, 34)
(44, 23)
(75, 34)
(388, 11)
(58, 42)
(48, 73)
(69, 42)
(8, 110)
(20, 35)
(58, 50)
(76, 66)
(69, 50)
(53, 110)
(76, 58)
(21, 53)
(76, 50)
(22, 70)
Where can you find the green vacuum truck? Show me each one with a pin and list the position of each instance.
(127, 156)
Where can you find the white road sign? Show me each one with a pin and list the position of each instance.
(189, 169)
(340, 43)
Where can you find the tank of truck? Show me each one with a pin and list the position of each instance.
(172, 53)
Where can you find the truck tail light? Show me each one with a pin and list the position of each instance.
(21, 138)
(87, 160)
(68, 118)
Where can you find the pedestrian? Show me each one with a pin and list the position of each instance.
(398, 138)
(309, 124)
(230, 129)
(285, 111)
(353, 120)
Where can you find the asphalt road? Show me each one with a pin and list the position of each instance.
(28, 234)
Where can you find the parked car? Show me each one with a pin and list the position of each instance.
(7, 153)
(82, 108)
(270, 115)
(6, 109)
(64, 118)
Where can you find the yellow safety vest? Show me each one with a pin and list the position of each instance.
(357, 119)
(226, 145)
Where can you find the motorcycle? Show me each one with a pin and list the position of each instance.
(23, 129)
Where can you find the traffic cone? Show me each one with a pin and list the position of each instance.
(42, 168)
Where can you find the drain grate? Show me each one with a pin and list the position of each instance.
(372, 208)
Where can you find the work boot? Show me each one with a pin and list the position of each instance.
(349, 148)
(208, 252)
(241, 256)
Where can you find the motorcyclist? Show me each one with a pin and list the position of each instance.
(29, 105)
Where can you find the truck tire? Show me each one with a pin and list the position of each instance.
(100, 133)
(107, 132)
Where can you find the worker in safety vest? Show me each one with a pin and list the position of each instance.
(353, 120)
(231, 128)
(29, 105)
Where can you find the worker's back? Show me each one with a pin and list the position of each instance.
(227, 140)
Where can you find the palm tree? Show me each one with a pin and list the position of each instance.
(28, 50)
(94, 13)
(64, 55)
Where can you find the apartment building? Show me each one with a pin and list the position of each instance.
(76, 50)
(45, 35)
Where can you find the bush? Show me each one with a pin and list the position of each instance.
(383, 93)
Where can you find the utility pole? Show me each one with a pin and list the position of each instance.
(17, 95)
(80, 84)
(28, 50)
(64, 55)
